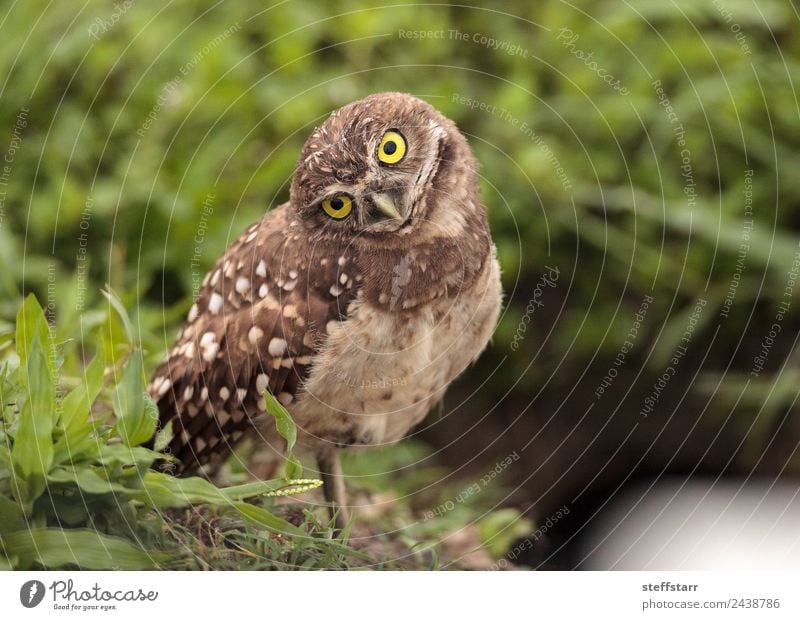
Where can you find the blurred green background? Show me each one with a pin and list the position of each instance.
(121, 120)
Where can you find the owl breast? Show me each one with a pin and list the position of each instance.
(381, 370)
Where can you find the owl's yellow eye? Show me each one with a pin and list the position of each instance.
(392, 147)
(338, 207)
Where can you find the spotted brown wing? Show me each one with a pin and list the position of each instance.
(257, 323)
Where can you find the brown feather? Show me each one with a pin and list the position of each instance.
(239, 331)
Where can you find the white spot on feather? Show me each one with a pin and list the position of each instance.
(215, 303)
(277, 347)
(165, 385)
(211, 352)
(254, 334)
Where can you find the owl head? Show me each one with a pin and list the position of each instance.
(387, 166)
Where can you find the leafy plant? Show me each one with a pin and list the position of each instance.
(76, 485)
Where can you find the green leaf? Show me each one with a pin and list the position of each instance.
(166, 491)
(499, 530)
(76, 406)
(11, 515)
(31, 326)
(120, 455)
(55, 548)
(137, 414)
(287, 429)
(8, 395)
(119, 308)
(32, 453)
(88, 480)
(5, 460)
(41, 385)
(78, 440)
(163, 437)
(262, 517)
(78, 445)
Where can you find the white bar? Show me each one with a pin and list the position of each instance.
(409, 595)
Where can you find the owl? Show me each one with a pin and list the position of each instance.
(355, 304)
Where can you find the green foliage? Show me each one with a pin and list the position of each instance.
(499, 530)
(152, 126)
(76, 486)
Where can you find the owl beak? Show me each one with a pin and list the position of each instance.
(385, 205)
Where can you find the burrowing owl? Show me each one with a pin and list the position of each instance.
(356, 303)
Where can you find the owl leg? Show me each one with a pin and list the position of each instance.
(330, 469)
